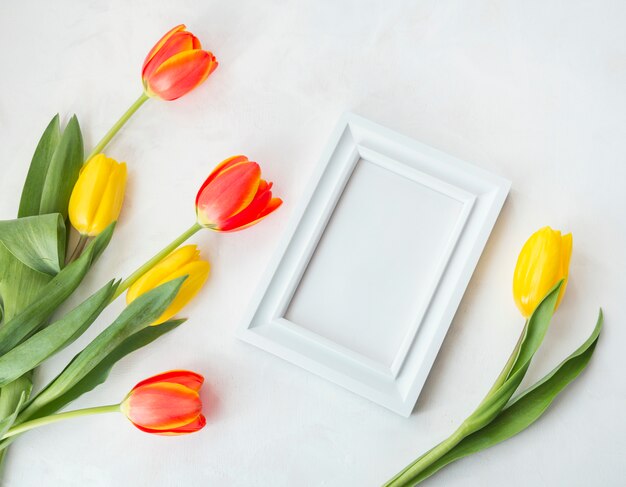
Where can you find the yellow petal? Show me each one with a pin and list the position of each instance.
(197, 273)
(111, 200)
(161, 272)
(184, 261)
(538, 269)
(90, 197)
(566, 255)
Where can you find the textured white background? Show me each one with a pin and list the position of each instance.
(533, 90)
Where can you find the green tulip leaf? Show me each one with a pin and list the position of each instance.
(136, 316)
(101, 371)
(11, 399)
(535, 332)
(31, 250)
(51, 295)
(7, 421)
(63, 171)
(33, 187)
(56, 336)
(19, 284)
(34, 241)
(497, 398)
(524, 410)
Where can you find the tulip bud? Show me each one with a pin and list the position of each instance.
(182, 262)
(166, 404)
(234, 196)
(542, 263)
(176, 65)
(98, 194)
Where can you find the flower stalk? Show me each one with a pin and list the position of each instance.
(99, 147)
(435, 453)
(173, 245)
(54, 418)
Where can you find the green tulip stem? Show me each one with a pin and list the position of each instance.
(117, 126)
(35, 423)
(506, 371)
(406, 476)
(130, 280)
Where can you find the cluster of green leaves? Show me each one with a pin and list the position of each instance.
(499, 417)
(32, 247)
(34, 282)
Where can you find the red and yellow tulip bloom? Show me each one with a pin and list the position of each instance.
(176, 65)
(184, 261)
(542, 263)
(166, 404)
(234, 196)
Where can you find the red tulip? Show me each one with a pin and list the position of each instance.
(176, 65)
(234, 196)
(166, 404)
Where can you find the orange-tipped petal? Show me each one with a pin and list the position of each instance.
(221, 167)
(273, 205)
(180, 74)
(196, 425)
(250, 212)
(185, 378)
(162, 406)
(160, 43)
(179, 42)
(229, 193)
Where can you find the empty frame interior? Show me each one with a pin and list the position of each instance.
(375, 266)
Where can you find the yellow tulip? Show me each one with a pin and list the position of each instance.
(98, 195)
(542, 263)
(182, 262)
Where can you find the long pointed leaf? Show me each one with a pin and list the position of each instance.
(7, 421)
(63, 171)
(100, 372)
(33, 187)
(34, 241)
(30, 253)
(19, 284)
(52, 294)
(537, 327)
(29, 354)
(524, 410)
(136, 316)
(497, 399)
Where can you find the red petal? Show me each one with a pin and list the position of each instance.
(162, 405)
(251, 212)
(177, 43)
(271, 207)
(196, 425)
(186, 378)
(160, 43)
(180, 74)
(229, 193)
(221, 167)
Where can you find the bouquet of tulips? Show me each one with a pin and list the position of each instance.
(539, 283)
(63, 189)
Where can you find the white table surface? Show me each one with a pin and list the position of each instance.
(534, 91)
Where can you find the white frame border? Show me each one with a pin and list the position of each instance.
(482, 195)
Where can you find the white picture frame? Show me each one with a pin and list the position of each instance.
(375, 260)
